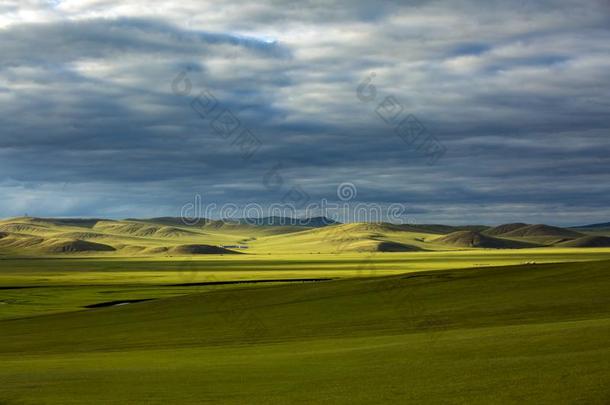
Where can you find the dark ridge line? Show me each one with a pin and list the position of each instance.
(280, 280)
(286, 280)
(118, 302)
(428, 275)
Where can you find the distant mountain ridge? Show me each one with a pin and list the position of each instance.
(505, 228)
(313, 222)
(587, 241)
(542, 230)
(592, 226)
(477, 239)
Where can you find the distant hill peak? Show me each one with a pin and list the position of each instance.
(79, 222)
(542, 230)
(313, 222)
(505, 228)
(593, 226)
(478, 240)
(588, 241)
(76, 246)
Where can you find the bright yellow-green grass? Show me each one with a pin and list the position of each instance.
(141, 238)
(525, 334)
(78, 281)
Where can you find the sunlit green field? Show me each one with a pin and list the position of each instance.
(118, 312)
(529, 333)
(59, 284)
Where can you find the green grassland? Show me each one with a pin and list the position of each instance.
(35, 286)
(169, 237)
(348, 313)
(529, 333)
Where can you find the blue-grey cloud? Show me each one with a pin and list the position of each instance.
(517, 93)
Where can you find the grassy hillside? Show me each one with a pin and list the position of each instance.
(155, 311)
(543, 234)
(534, 333)
(588, 242)
(67, 282)
(166, 237)
(473, 239)
(38, 236)
(505, 228)
(346, 238)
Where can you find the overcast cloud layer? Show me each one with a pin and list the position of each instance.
(517, 92)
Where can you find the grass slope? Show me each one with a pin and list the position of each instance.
(27, 236)
(76, 245)
(587, 241)
(201, 250)
(346, 238)
(542, 230)
(497, 335)
(473, 239)
(505, 228)
(33, 236)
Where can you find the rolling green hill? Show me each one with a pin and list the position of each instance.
(163, 236)
(505, 228)
(542, 230)
(496, 335)
(155, 311)
(588, 241)
(473, 239)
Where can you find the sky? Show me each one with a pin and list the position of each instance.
(479, 112)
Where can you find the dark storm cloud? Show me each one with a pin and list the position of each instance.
(517, 93)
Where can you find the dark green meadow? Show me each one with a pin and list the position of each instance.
(529, 333)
